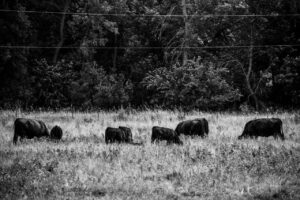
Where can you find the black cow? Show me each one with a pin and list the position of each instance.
(29, 128)
(161, 133)
(195, 127)
(119, 135)
(56, 133)
(264, 127)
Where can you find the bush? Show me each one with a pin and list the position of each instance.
(96, 88)
(50, 83)
(113, 91)
(194, 85)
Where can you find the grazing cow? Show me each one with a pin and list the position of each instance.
(196, 127)
(56, 133)
(29, 128)
(264, 127)
(119, 135)
(161, 133)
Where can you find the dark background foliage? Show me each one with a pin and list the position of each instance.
(95, 61)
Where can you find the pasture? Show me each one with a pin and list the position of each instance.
(82, 166)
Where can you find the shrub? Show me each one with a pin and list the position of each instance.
(96, 88)
(194, 85)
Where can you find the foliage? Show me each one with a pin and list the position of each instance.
(96, 60)
(287, 81)
(50, 83)
(16, 30)
(194, 85)
(95, 88)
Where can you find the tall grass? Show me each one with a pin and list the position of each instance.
(83, 166)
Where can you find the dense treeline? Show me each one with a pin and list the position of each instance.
(156, 53)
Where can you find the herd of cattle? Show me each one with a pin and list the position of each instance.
(29, 128)
(265, 127)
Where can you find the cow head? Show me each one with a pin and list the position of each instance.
(56, 133)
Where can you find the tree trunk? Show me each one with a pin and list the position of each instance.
(248, 76)
(62, 25)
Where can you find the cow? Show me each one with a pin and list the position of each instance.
(119, 135)
(29, 128)
(263, 127)
(195, 127)
(167, 134)
(56, 133)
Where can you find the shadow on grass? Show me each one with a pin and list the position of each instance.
(280, 195)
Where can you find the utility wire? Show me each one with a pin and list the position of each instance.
(141, 47)
(150, 15)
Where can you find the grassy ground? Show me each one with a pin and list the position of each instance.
(82, 166)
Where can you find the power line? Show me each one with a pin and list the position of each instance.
(150, 15)
(141, 47)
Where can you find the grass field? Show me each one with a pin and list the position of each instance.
(82, 166)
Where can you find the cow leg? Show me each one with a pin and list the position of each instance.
(253, 137)
(152, 140)
(107, 140)
(19, 133)
(281, 136)
(155, 139)
(15, 139)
